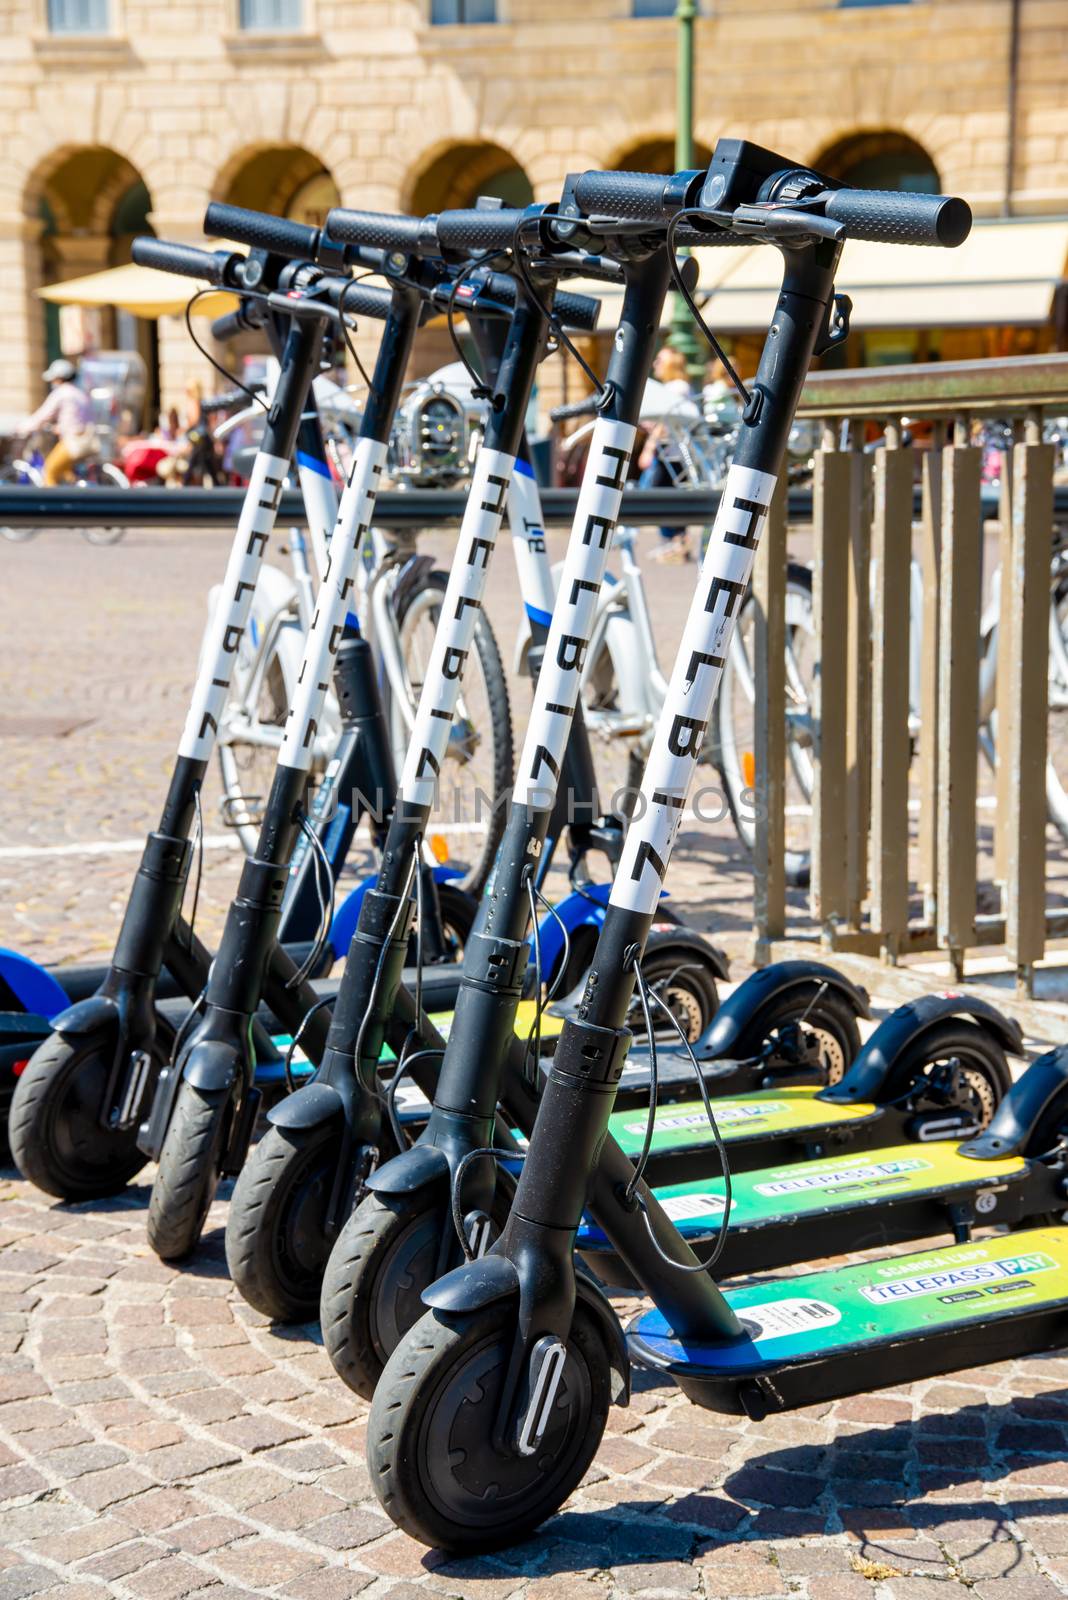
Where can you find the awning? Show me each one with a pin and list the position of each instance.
(1004, 272)
(141, 290)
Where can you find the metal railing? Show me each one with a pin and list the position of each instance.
(896, 839)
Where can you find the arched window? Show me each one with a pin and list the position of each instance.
(463, 172)
(881, 160)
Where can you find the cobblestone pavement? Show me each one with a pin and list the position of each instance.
(159, 1441)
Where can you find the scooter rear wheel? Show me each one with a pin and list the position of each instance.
(276, 1243)
(430, 1450)
(828, 1017)
(188, 1173)
(978, 1055)
(57, 1139)
(383, 1259)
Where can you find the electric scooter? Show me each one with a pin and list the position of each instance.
(399, 1240)
(490, 1409)
(77, 1104)
(299, 1188)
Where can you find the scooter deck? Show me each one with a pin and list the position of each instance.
(782, 1215)
(838, 1332)
(769, 1125)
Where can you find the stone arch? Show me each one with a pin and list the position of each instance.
(880, 158)
(287, 180)
(655, 153)
(456, 173)
(88, 202)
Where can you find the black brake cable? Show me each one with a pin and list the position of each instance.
(323, 874)
(210, 359)
(632, 1194)
(679, 285)
(350, 347)
(179, 1038)
(402, 904)
(287, 1064)
(479, 389)
(605, 392)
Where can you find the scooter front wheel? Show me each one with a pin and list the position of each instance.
(430, 1440)
(57, 1139)
(188, 1173)
(276, 1243)
(384, 1257)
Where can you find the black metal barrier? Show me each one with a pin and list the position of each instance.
(59, 509)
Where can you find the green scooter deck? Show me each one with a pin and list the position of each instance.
(767, 1126)
(845, 1330)
(856, 1201)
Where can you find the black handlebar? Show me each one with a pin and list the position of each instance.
(890, 217)
(218, 267)
(249, 315)
(349, 295)
(476, 230)
(635, 196)
(586, 407)
(298, 241)
(577, 311)
(379, 230)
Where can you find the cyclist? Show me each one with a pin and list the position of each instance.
(67, 413)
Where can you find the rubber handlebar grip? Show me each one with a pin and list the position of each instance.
(476, 230)
(228, 327)
(630, 196)
(578, 311)
(890, 217)
(184, 259)
(358, 299)
(586, 407)
(380, 230)
(297, 241)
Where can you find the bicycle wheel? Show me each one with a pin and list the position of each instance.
(105, 475)
(476, 775)
(735, 723)
(13, 475)
(251, 731)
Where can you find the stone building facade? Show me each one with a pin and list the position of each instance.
(116, 110)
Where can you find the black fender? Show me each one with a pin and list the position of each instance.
(871, 1077)
(211, 1065)
(310, 1107)
(671, 935)
(421, 1166)
(494, 1278)
(97, 1013)
(1024, 1111)
(767, 984)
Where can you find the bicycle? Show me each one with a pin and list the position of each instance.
(91, 471)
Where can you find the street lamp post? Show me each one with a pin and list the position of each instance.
(683, 337)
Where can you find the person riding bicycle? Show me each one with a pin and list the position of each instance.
(68, 413)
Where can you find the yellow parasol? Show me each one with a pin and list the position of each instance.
(140, 290)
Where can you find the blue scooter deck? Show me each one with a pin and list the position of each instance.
(843, 1330)
(855, 1201)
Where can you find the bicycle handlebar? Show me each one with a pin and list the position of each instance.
(889, 217)
(635, 196)
(216, 267)
(578, 311)
(476, 230)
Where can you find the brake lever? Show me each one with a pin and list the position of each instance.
(786, 223)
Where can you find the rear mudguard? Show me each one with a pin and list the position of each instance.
(1024, 1110)
(719, 1039)
(493, 1278)
(28, 987)
(675, 935)
(344, 924)
(872, 1075)
(312, 1106)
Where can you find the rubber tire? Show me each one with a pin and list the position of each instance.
(188, 1172)
(397, 1452)
(953, 1037)
(500, 708)
(350, 1287)
(831, 1013)
(39, 1098)
(698, 977)
(458, 911)
(256, 1222)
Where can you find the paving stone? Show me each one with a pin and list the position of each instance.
(253, 1433)
(202, 1534)
(23, 1580)
(347, 1530)
(170, 1579)
(264, 1562)
(302, 1507)
(187, 1460)
(132, 1556)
